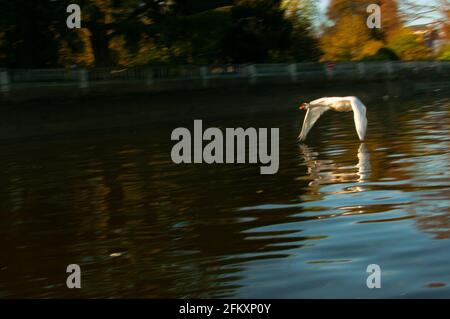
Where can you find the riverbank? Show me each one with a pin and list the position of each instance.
(22, 85)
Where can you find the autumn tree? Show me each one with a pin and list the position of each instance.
(391, 19)
(409, 46)
(438, 13)
(346, 39)
(349, 38)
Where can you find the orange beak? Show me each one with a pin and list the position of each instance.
(302, 106)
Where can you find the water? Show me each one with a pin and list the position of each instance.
(141, 226)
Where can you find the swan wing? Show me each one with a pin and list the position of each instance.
(312, 115)
(320, 101)
(359, 115)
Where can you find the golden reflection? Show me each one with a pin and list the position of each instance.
(363, 163)
(327, 171)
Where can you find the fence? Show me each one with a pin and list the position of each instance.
(212, 75)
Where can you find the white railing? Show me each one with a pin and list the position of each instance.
(83, 78)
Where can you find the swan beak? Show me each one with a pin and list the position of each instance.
(302, 106)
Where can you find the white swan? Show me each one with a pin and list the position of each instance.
(341, 104)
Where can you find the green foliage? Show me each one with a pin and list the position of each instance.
(132, 32)
(258, 32)
(409, 46)
(444, 54)
(33, 34)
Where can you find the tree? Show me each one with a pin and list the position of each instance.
(194, 30)
(37, 35)
(259, 32)
(349, 40)
(130, 32)
(303, 15)
(29, 33)
(391, 19)
(409, 46)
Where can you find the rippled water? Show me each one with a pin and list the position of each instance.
(141, 226)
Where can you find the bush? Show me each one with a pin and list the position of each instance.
(444, 54)
(383, 54)
(409, 46)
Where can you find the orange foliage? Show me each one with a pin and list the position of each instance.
(349, 40)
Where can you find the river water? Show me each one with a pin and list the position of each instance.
(138, 225)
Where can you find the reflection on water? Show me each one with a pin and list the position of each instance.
(326, 171)
(141, 226)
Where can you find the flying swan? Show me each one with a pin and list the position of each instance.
(316, 108)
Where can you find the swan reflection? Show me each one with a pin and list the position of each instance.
(363, 163)
(328, 171)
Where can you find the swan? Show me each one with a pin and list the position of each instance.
(316, 108)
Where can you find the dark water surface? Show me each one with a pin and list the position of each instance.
(140, 226)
